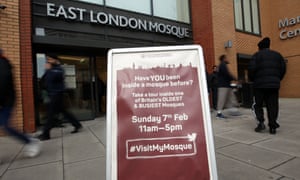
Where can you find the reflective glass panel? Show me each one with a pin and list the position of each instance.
(141, 6)
(177, 10)
(93, 1)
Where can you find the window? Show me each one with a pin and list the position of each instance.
(93, 1)
(246, 14)
(177, 10)
(141, 6)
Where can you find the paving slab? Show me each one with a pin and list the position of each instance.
(289, 169)
(241, 153)
(97, 121)
(285, 146)
(218, 129)
(51, 171)
(256, 156)
(55, 132)
(284, 130)
(222, 142)
(79, 152)
(8, 151)
(93, 169)
(83, 137)
(291, 135)
(245, 122)
(8, 140)
(68, 128)
(51, 152)
(244, 136)
(286, 178)
(100, 132)
(230, 169)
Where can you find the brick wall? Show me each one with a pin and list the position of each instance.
(289, 48)
(15, 40)
(10, 43)
(224, 29)
(202, 29)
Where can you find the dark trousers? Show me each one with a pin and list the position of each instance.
(269, 96)
(214, 94)
(5, 114)
(56, 106)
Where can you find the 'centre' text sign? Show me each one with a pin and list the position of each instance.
(158, 121)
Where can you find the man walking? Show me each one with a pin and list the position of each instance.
(266, 69)
(7, 102)
(226, 97)
(54, 82)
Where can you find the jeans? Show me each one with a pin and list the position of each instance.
(5, 114)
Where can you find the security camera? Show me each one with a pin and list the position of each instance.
(2, 6)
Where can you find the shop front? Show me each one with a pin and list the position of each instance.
(85, 82)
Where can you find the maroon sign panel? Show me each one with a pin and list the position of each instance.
(161, 132)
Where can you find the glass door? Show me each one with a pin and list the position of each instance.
(79, 97)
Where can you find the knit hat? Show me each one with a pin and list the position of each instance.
(265, 43)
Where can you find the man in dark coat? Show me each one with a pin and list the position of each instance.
(7, 102)
(55, 87)
(266, 69)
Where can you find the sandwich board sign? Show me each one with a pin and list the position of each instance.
(158, 117)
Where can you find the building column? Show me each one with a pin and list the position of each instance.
(203, 29)
(26, 66)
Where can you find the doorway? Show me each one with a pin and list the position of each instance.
(81, 83)
(246, 92)
(243, 61)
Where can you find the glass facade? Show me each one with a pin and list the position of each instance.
(100, 2)
(255, 14)
(140, 6)
(177, 10)
(238, 14)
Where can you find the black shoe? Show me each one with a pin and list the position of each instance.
(76, 129)
(260, 127)
(59, 125)
(272, 131)
(43, 137)
(220, 116)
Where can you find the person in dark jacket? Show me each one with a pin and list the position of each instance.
(55, 87)
(214, 86)
(266, 69)
(101, 92)
(7, 102)
(226, 97)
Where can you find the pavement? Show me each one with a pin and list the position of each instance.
(241, 153)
